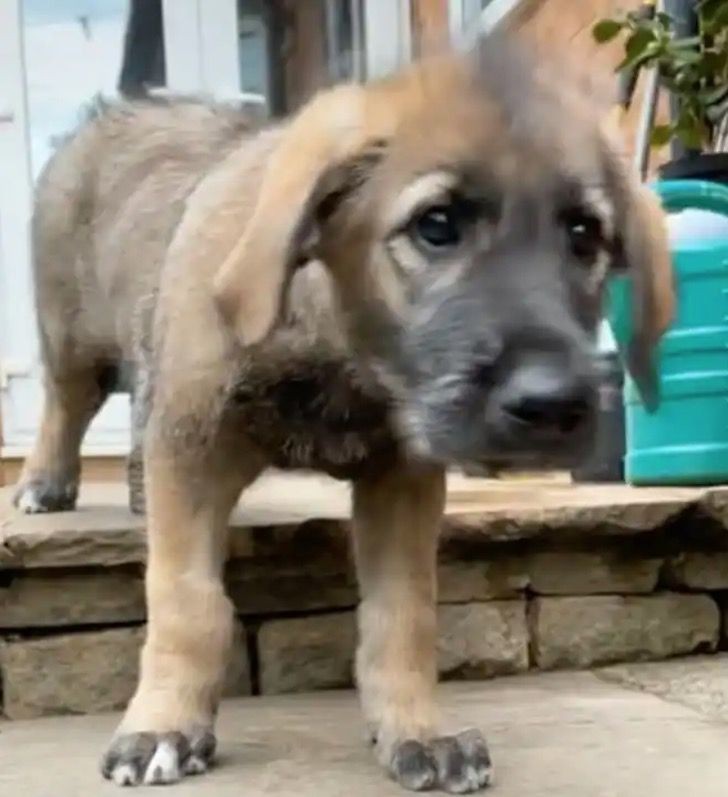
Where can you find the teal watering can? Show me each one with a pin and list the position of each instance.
(685, 439)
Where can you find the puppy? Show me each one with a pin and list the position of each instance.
(404, 275)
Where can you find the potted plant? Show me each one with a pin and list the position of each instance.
(693, 69)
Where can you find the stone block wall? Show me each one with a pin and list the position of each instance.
(603, 579)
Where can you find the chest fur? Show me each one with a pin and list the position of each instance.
(314, 413)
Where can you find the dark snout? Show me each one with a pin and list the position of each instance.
(532, 405)
(544, 404)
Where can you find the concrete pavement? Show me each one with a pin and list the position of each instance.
(564, 734)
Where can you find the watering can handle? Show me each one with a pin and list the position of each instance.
(698, 194)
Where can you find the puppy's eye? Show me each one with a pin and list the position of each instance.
(585, 234)
(439, 227)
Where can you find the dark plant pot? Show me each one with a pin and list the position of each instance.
(712, 166)
(606, 463)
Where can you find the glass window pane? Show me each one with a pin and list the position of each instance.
(76, 50)
(291, 48)
(472, 9)
(253, 45)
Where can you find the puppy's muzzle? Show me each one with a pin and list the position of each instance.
(543, 402)
(543, 405)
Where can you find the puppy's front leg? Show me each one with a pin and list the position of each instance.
(167, 731)
(397, 518)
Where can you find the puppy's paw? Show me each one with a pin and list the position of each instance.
(152, 759)
(45, 494)
(456, 764)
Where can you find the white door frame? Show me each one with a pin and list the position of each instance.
(387, 36)
(201, 48)
(20, 373)
(18, 348)
(464, 13)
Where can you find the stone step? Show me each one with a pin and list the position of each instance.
(93, 671)
(102, 532)
(534, 574)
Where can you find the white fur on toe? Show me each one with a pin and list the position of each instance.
(124, 775)
(164, 766)
(29, 504)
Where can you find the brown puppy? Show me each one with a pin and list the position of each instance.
(404, 275)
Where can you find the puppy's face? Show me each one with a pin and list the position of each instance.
(469, 235)
(482, 304)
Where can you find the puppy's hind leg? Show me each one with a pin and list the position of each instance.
(397, 517)
(50, 476)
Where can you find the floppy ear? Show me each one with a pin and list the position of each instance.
(250, 283)
(647, 257)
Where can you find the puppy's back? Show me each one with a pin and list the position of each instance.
(107, 204)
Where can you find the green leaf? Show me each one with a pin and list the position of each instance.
(717, 62)
(716, 112)
(709, 9)
(670, 83)
(638, 42)
(686, 78)
(605, 30)
(686, 42)
(691, 137)
(641, 46)
(713, 95)
(651, 53)
(716, 22)
(690, 127)
(665, 20)
(686, 57)
(661, 135)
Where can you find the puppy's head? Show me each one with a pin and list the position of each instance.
(470, 211)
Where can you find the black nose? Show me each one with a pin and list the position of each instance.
(547, 400)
